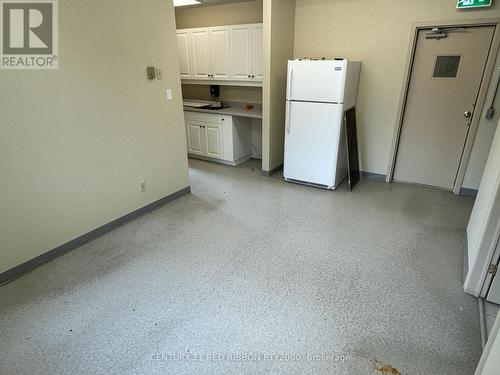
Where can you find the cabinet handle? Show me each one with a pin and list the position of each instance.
(249, 76)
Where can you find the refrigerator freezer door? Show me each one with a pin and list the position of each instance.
(312, 139)
(316, 81)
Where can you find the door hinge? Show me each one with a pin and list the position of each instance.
(493, 269)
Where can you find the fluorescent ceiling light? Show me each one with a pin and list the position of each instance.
(182, 3)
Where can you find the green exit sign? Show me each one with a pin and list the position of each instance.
(462, 4)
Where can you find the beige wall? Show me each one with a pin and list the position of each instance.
(377, 33)
(279, 25)
(219, 15)
(227, 93)
(75, 143)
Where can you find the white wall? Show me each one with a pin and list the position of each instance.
(76, 142)
(490, 360)
(482, 231)
(378, 33)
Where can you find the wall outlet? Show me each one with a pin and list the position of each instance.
(143, 186)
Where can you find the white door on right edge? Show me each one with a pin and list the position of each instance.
(444, 85)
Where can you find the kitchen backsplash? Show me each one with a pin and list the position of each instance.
(227, 93)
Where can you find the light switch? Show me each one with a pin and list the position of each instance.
(168, 93)
(158, 74)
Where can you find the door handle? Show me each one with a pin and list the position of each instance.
(289, 88)
(467, 114)
(287, 116)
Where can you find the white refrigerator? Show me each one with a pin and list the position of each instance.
(318, 94)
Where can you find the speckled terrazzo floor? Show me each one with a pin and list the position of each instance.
(251, 275)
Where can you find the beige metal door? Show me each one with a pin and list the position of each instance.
(444, 85)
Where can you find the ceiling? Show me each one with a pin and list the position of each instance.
(216, 2)
(212, 2)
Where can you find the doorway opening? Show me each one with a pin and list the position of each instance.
(220, 46)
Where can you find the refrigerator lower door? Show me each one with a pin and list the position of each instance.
(312, 143)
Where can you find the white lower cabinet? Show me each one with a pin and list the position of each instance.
(194, 131)
(213, 140)
(224, 139)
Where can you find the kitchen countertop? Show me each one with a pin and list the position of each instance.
(234, 109)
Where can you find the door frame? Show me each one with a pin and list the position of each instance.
(483, 90)
(495, 257)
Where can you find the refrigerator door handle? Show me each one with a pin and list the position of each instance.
(287, 115)
(290, 80)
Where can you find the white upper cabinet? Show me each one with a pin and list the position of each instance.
(257, 46)
(241, 52)
(223, 53)
(184, 50)
(246, 52)
(220, 54)
(200, 43)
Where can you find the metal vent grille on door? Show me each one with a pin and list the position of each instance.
(446, 66)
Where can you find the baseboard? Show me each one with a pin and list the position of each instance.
(466, 256)
(242, 160)
(373, 176)
(272, 171)
(50, 255)
(466, 192)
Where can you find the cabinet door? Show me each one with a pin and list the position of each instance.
(195, 137)
(184, 50)
(220, 55)
(213, 140)
(201, 53)
(257, 37)
(241, 52)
